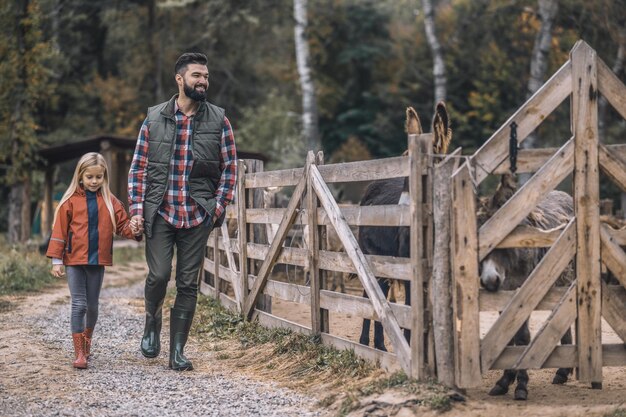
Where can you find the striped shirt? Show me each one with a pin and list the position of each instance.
(178, 207)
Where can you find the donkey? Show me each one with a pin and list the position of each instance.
(394, 241)
(508, 269)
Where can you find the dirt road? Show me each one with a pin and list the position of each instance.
(38, 379)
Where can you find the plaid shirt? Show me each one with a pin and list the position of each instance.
(178, 207)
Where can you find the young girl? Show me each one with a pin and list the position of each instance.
(82, 239)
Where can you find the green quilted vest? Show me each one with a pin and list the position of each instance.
(205, 148)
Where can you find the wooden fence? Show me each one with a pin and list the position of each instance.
(585, 239)
(251, 255)
(446, 247)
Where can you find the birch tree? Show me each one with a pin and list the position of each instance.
(541, 49)
(439, 68)
(309, 103)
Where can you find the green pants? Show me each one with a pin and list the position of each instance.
(190, 249)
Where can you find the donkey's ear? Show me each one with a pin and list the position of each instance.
(442, 134)
(412, 124)
(505, 190)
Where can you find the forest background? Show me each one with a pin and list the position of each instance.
(71, 69)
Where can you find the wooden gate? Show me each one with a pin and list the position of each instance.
(250, 261)
(585, 239)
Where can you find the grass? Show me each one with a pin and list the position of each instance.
(22, 269)
(214, 322)
(619, 412)
(302, 360)
(128, 254)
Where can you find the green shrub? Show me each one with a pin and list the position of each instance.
(23, 271)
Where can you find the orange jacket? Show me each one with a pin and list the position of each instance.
(72, 234)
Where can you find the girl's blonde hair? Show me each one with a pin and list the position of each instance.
(89, 160)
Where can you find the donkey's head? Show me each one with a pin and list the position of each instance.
(496, 266)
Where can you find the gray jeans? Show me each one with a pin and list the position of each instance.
(85, 282)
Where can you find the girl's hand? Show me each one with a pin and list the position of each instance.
(57, 271)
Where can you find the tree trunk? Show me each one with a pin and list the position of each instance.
(309, 102)
(16, 207)
(17, 196)
(439, 68)
(541, 50)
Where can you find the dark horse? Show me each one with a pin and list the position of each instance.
(394, 241)
(507, 269)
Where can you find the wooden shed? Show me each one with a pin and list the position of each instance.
(118, 152)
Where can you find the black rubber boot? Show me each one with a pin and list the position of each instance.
(151, 343)
(180, 323)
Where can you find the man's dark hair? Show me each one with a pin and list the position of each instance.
(189, 58)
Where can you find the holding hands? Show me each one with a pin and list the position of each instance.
(57, 271)
(136, 225)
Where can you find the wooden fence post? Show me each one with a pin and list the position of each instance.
(313, 251)
(441, 295)
(418, 145)
(465, 269)
(259, 232)
(586, 206)
(216, 263)
(242, 225)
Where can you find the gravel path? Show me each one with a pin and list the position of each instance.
(38, 380)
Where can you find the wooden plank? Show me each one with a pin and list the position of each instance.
(586, 206)
(418, 148)
(313, 253)
(385, 215)
(275, 247)
(497, 301)
(375, 169)
(441, 294)
(285, 291)
(216, 264)
(229, 303)
(322, 231)
(614, 309)
(530, 160)
(465, 280)
(271, 321)
(550, 333)
(528, 297)
(563, 356)
(426, 211)
(613, 166)
(524, 236)
(525, 199)
(379, 302)
(206, 289)
(383, 266)
(527, 117)
(226, 246)
(224, 273)
(242, 226)
(613, 256)
(387, 361)
(612, 88)
(618, 236)
(361, 307)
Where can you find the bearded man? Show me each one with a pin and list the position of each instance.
(181, 179)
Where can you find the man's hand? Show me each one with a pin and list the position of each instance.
(57, 271)
(136, 225)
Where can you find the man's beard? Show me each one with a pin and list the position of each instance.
(193, 94)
